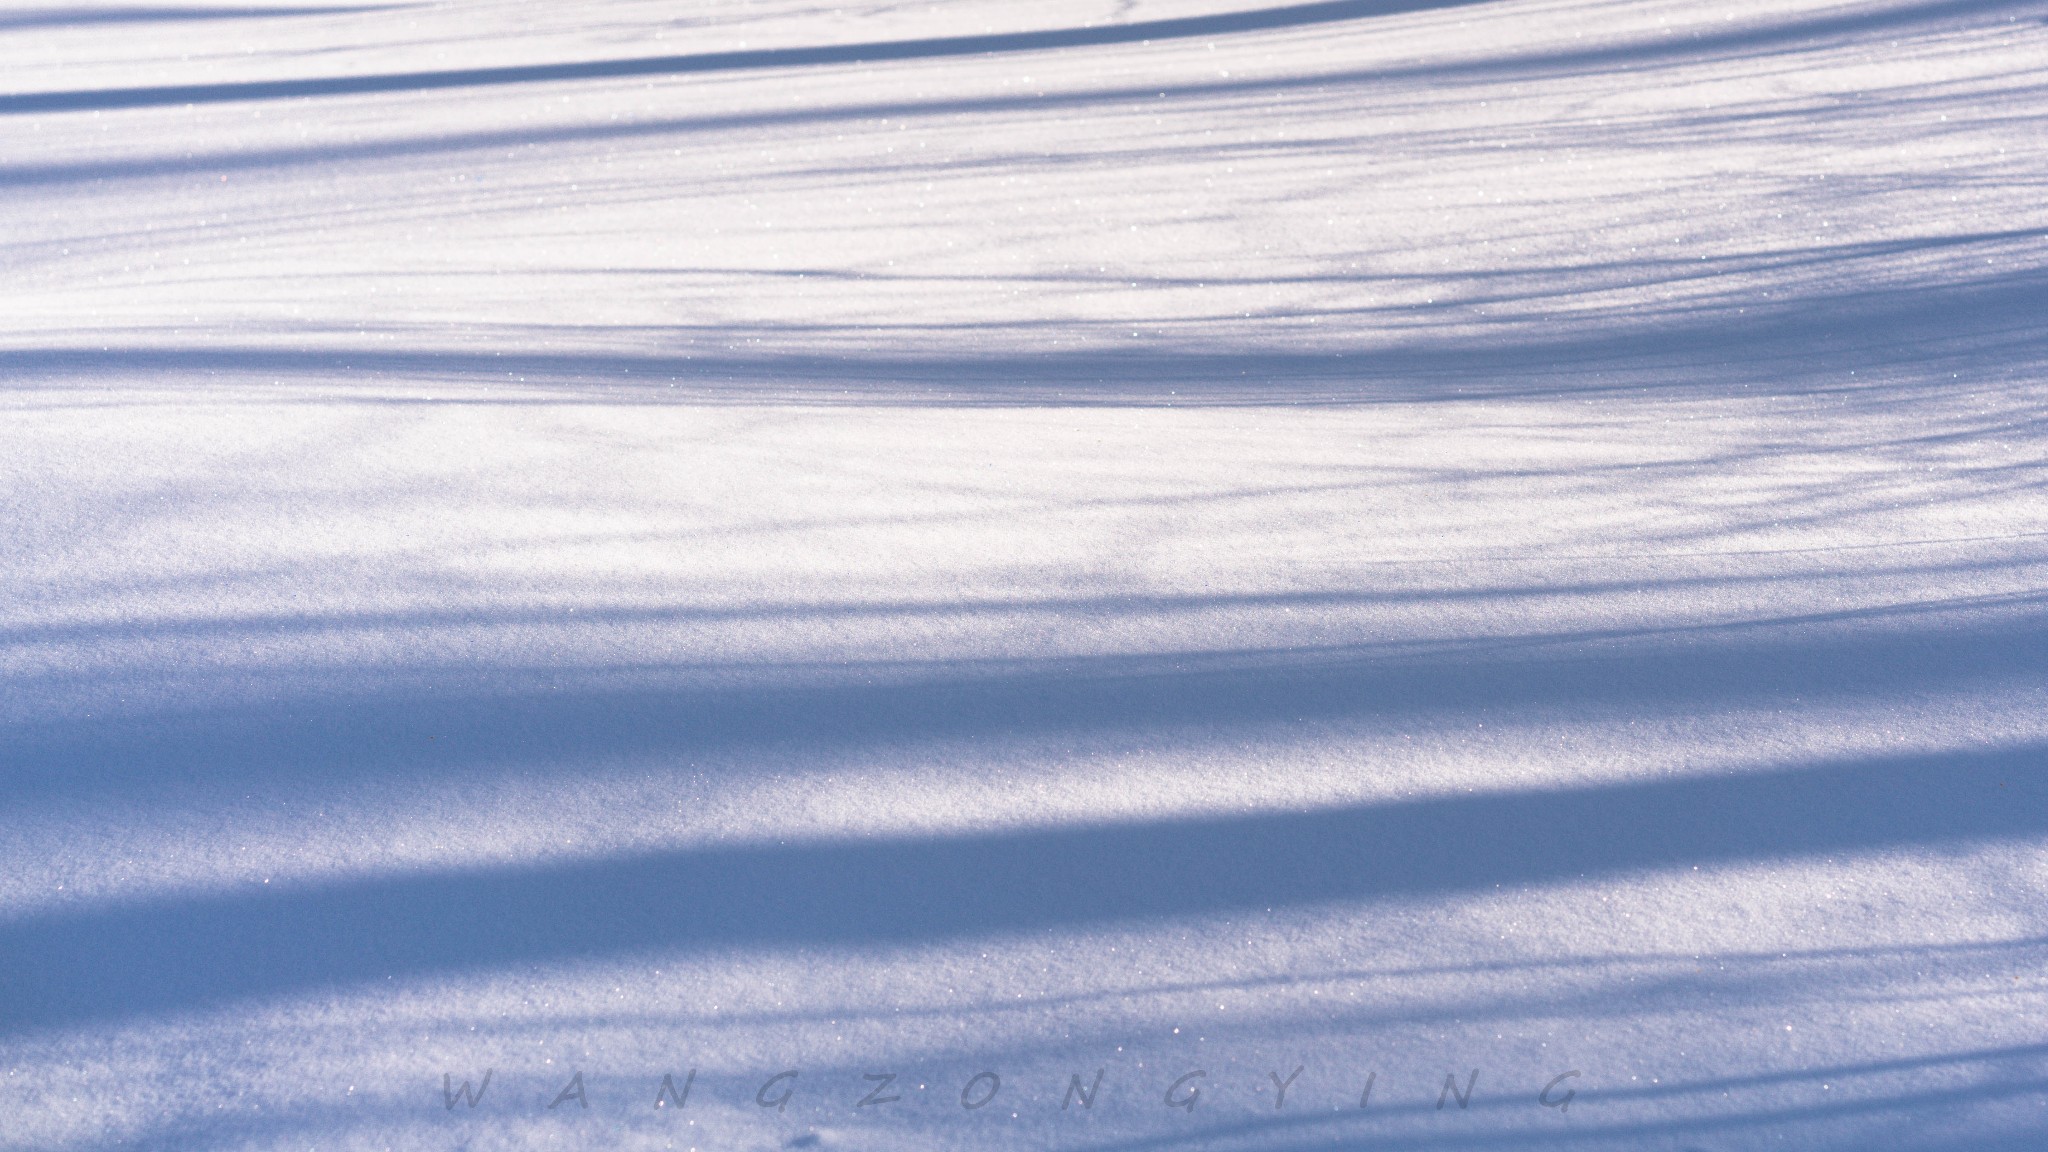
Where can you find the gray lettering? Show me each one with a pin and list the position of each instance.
(1087, 1094)
(451, 1094)
(780, 1102)
(667, 1091)
(1194, 1094)
(1451, 1089)
(876, 1097)
(573, 1092)
(995, 1084)
(1280, 1086)
(1563, 1105)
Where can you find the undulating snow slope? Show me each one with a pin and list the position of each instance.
(1487, 556)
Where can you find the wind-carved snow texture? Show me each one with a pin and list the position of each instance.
(1092, 575)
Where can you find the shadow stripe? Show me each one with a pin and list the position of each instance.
(193, 952)
(876, 52)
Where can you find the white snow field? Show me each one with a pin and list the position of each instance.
(1154, 570)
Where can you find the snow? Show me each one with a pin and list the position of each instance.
(1384, 538)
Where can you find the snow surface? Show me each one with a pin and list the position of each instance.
(1384, 537)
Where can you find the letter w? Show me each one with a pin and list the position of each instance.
(451, 1094)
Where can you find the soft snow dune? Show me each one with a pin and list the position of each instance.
(1336, 546)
